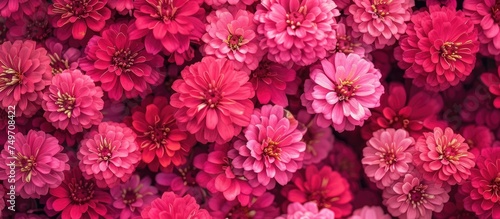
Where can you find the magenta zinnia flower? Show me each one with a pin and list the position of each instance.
(73, 102)
(369, 212)
(272, 82)
(73, 17)
(341, 91)
(439, 49)
(294, 31)
(485, 14)
(213, 100)
(25, 72)
(133, 196)
(122, 65)
(388, 156)
(308, 210)
(273, 149)
(39, 164)
(109, 154)
(443, 157)
(171, 205)
(378, 22)
(232, 34)
(412, 197)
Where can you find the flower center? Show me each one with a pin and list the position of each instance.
(234, 41)
(495, 12)
(272, 149)
(27, 164)
(212, 96)
(81, 191)
(105, 149)
(494, 186)
(241, 212)
(345, 45)
(417, 195)
(263, 71)
(310, 138)
(450, 51)
(58, 63)
(124, 59)
(130, 195)
(78, 8)
(321, 197)
(166, 10)
(66, 103)
(188, 175)
(448, 150)
(388, 157)
(381, 7)
(158, 133)
(9, 77)
(38, 30)
(295, 19)
(345, 90)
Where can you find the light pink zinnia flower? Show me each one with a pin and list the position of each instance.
(272, 82)
(443, 157)
(412, 197)
(341, 91)
(73, 102)
(485, 14)
(109, 154)
(213, 100)
(369, 212)
(294, 31)
(378, 22)
(308, 210)
(39, 164)
(388, 156)
(171, 205)
(25, 72)
(232, 34)
(274, 150)
(133, 196)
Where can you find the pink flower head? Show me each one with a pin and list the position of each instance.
(308, 210)
(171, 205)
(341, 91)
(388, 156)
(369, 212)
(25, 73)
(273, 149)
(378, 22)
(478, 138)
(492, 81)
(485, 14)
(73, 102)
(169, 24)
(77, 197)
(325, 187)
(262, 207)
(133, 196)
(294, 31)
(122, 65)
(39, 163)
(347, 43)
(73, 17)
(272, 82)
(232, 34)
(319, 141)
(439, 49)
(443, 157)
(158, 136)
(34, 27)
(109, 154)
(483, 188)
(18, 8)
(412, 197)
(61, 57)
(213, 100)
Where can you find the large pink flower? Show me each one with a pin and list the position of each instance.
(39, 164)
(73, 102)
(308, 210)
(296, 31)
(25, 72)
(122, 65)
(213, 100)
(485, 14)
(378, 22)
(273, 149)
(388, 156)
(109, 154)
(171, 205)
(439, 49)
(133, 196)
(272, 82)
(73, 17)
(341, 91)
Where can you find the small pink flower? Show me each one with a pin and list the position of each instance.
(369, 212)
(262, 207)
(485, 14)
(308, 210)
(341, 91)
(171, 205)
(272, 82)
(388, 156)
(133, 196)
(39, 164)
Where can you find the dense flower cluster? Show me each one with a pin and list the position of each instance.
(261, 109)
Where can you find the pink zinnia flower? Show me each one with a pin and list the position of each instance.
(439, 49)
(369, 212)
(308, 210)
(61, 57)
(443, 157)
(34, 27)
(273, 149)
(72, 18)
(133, 196)
(341, 91)
(483, 188)
(492, 81)
(18, 8)
(232, 34)
(169, 25)
(319, 141)
(262, 207)
(325, 187)
(294, 31)
(25, 73)
(73, 102)
(412, 197)
(272, 82)
(171, 205)
(347, 42)
(122, 65)
(213, 100)
(109, 154)
(39, 164)
(478, 138)
(485, 14)
(77, 197)
(388, 156)
(378, 22)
